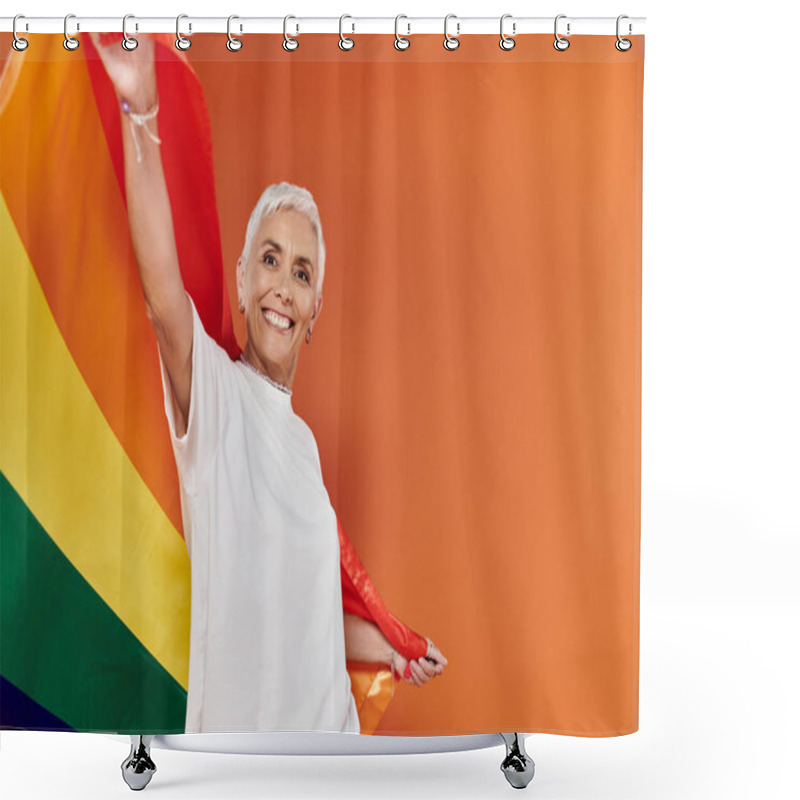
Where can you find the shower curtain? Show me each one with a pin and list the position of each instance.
(470, 393)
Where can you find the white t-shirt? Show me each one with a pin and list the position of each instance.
(267, 631)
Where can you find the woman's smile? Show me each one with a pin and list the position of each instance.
(279, 322)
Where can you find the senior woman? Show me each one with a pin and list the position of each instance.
(269, 637)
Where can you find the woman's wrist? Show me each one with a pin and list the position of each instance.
(138, 103)
(140, 120)
(140, 93)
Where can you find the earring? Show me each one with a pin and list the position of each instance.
(308, 336)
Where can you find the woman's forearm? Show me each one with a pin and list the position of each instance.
(364, 641)
(149, 213)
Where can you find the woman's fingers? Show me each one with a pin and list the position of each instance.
(418, 675)
(106, 38)
(428, 667)
(108, 42)
(437, 655)
(419, 671)
(132, 73)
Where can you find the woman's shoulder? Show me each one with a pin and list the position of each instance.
(306, 434)
(208, 345)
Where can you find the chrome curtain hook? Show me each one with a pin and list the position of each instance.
(623, 45)
(19, 44)
(233, 44)
(182, 43)
(70, 42)
(128, 42)
(507, 42)
(345, 42)
(289, 44)
(561, 43)
(451, 42)
(400, 42)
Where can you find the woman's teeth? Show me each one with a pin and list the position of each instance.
(277, 320)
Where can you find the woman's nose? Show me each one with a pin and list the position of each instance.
(283, 288)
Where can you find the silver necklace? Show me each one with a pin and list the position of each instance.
(269, 380)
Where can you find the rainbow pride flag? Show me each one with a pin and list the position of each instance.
(94, 572)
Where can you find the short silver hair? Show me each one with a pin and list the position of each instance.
(281, 196)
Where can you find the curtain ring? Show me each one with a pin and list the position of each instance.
(561, 43)
(128, 42)
(182, 43)
(233, 44)
(400, 42)
(19, 44)
(345, 42)
(623, 45)
(507, 42)
(70, 42)
(289, 44)
(451, 42)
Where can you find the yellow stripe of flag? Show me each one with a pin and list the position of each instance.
(63, 459)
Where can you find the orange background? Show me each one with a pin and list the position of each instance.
(474, 380)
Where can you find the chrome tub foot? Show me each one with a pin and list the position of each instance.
(138, 768)
(517, 766)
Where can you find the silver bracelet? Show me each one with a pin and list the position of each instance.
(140, 120)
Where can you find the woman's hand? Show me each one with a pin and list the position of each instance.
(364, 641)
(419, 672)
(132, 72)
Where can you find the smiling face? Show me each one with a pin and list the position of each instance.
(277, 290)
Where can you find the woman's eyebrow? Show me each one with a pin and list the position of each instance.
(306, 262)
(300, 259)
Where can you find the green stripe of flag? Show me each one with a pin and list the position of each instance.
(62, 645)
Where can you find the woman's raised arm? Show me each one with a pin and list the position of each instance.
(133, 75)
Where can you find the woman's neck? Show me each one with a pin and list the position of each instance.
(278, 377)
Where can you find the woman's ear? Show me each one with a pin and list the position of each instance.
(317, 309)
(240, 282)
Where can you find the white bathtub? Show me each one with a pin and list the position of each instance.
(138, 768)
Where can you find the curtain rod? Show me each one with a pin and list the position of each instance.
(513, 26)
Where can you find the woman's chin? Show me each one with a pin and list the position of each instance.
(274, 352)
(278, 341)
